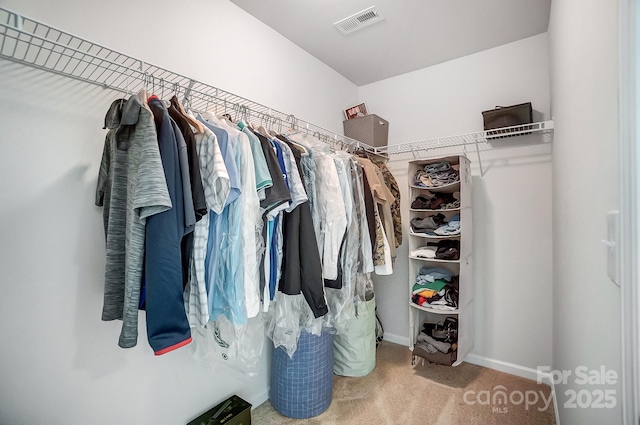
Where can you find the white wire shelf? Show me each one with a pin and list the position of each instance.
(29, 42)
(38, 45)
(479, 141)
(480, 137)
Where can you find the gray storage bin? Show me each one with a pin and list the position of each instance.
(370, 129)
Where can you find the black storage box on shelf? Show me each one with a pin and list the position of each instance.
(369, 129)
(507, 116)
(232, 411)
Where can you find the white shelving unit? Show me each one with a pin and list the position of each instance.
(461, 267)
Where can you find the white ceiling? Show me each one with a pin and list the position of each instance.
(413, 35)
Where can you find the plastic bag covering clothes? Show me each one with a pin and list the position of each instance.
(290, 314)
(222, 344)
(287, 317)
(365, 257)
(309, 172)
(340, 299)
(328, 207)
(355, 350)
(331, 210)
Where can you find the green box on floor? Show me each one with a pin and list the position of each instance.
(232, 411)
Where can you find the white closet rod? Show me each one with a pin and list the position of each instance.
(33, 43)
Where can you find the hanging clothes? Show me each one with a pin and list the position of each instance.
(167, 323)
(224, 262)
(276, 200)
(331, 210)
(301, 268)
(217, 185)
(365, 254)
(392, 184)
(249, 216)
(195, 180)
(289, 230)
(378, 196)
(195, 175)
(131, 188)
(385, 215)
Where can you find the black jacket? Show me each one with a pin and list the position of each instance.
(301, 267)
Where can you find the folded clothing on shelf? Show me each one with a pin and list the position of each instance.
(441, 201)
(432, 222)
(436, 174)
(435, 286)
(442, 250)
(444, 299)
(434, 225)
(424, 252)
(450, 228)
(430, 274)
(432, 344)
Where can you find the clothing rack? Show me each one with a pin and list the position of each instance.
(38, 45)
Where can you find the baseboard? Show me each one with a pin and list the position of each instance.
(510, 368)
(396, 339)
(258, 399)
(555, 398)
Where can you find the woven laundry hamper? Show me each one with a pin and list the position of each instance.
(302, 386)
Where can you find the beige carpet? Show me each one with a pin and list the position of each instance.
(396, 393)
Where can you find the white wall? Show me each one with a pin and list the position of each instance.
(512, 202)
(583, 38)
(58, 360)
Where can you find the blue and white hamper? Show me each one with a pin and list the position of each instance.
(302, 386)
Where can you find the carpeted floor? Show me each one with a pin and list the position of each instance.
(396, 393)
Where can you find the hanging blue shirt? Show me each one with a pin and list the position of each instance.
(223, 262)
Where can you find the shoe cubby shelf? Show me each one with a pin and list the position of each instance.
(462, 268)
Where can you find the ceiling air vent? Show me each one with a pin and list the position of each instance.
(369, 16)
